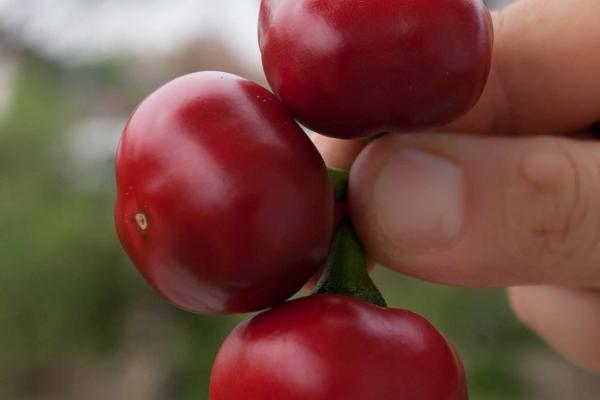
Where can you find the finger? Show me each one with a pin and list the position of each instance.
(544, 77)
(476, 211)
(338, 153)
(566, 319)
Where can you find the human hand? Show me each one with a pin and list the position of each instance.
(513, 209)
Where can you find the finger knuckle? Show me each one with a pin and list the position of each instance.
(548, 214)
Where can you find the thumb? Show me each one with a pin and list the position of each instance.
(481, 212)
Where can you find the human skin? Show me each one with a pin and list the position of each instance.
(513, 204)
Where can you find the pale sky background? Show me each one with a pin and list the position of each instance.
(79, 30)
(75, 31)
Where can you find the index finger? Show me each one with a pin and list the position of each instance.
(545, 76)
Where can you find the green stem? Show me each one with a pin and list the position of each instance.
(346, 269)
(339, 183)
(373, 138)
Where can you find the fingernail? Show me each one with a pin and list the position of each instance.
(419, 199)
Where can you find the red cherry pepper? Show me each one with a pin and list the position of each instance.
(328, 347)
(334, 346)
(357, 68)
(223, 203)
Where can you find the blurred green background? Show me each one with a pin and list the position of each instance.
(76, 321)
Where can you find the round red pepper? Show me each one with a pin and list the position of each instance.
(327, 347)
(357, 68)
(223, 203)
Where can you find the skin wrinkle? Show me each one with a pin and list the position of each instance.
(578, 209)
(591, 248)
(531, 236)
(554, 232)
(538, 68)
(566, 228)
(584, 246)
(556, 239)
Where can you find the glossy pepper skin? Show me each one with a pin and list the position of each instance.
(223, 203)
(357, 68)
(328, 347)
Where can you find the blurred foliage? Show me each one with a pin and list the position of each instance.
(480, 325)
(63, 283)
(66, 287)
(67, 291)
